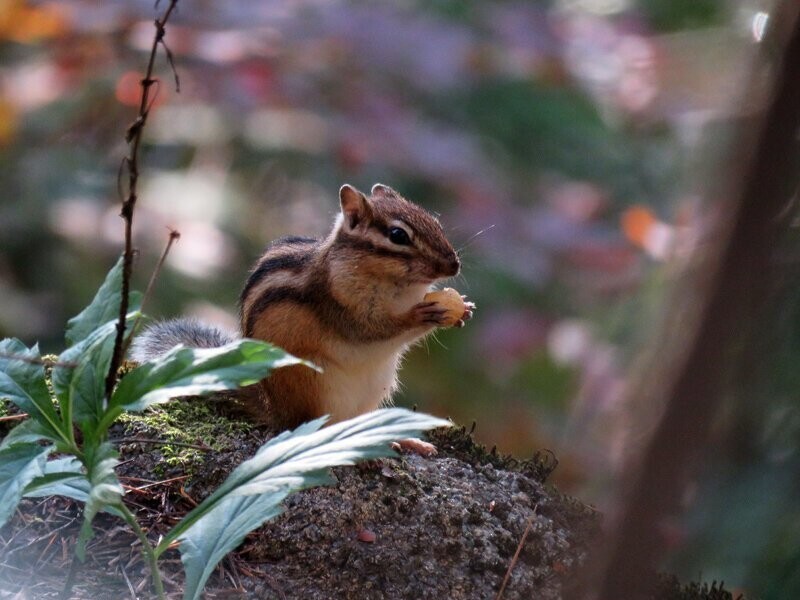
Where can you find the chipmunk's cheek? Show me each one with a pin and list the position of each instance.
(433, 272)
(389, 271)
(407, 296)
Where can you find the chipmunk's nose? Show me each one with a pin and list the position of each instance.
(454, 265)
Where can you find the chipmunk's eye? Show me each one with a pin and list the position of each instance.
(398, 236)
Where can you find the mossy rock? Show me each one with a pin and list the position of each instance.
(179, 437)
(408, 527)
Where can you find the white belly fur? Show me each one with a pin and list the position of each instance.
(365, 375)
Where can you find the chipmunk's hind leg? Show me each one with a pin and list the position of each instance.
(291, 396)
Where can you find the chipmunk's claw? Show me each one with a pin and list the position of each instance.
(429, 313)
(441, 314)
(469, 307)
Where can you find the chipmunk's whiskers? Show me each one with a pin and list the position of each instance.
(436, 339)
(460, 277)
(472, 238)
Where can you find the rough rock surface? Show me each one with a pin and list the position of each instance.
(411, 527)
(442, 528)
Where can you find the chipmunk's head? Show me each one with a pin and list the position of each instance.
(393, 238)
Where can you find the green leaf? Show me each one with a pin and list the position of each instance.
(55, 474)
(64, 477)
(212, 538)
(79, 376)
(19, 465)
(193, 372)
(103, 308)
(29, 430)
(22, 382)
(104, 489)
(291, 461)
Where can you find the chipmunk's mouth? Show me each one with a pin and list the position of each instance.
(430, 278)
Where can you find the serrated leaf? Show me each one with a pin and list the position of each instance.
(193, 372)
(104, 490)
(88, 400)
(22, 382)
(103, 308)
(289, 462)
(79, 375)
(19, 465)
(57, 472)
(63, 477)
(29, 430)
(219, 534)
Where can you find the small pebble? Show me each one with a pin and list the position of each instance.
(366, 536)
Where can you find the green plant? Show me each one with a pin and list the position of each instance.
(82, 392)
(85, 472)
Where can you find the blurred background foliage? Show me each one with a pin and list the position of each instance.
(565, 144)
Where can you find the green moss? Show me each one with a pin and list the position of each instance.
(668, 587)
(459, 443)
(49, 361)
(189, 421)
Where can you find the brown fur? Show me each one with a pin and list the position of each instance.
(326, 300)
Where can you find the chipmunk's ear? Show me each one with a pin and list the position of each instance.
(381, 190)
(355, 206)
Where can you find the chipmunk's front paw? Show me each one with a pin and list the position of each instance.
(429, 313)
(456, 308)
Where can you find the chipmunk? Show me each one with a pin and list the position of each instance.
(351, 303)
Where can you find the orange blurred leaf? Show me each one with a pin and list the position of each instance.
(26, 24)
(8, 122)
(636, 223)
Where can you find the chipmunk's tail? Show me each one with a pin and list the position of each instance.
(160, 338)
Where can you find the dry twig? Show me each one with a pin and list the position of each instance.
(34, 360)
(14, 417)
(134, 440)
(515, 558)
(174, 236)
(134, 138)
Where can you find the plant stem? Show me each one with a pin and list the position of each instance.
(108, 419)
(147, 549)
(134, 137)
(174, 236)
